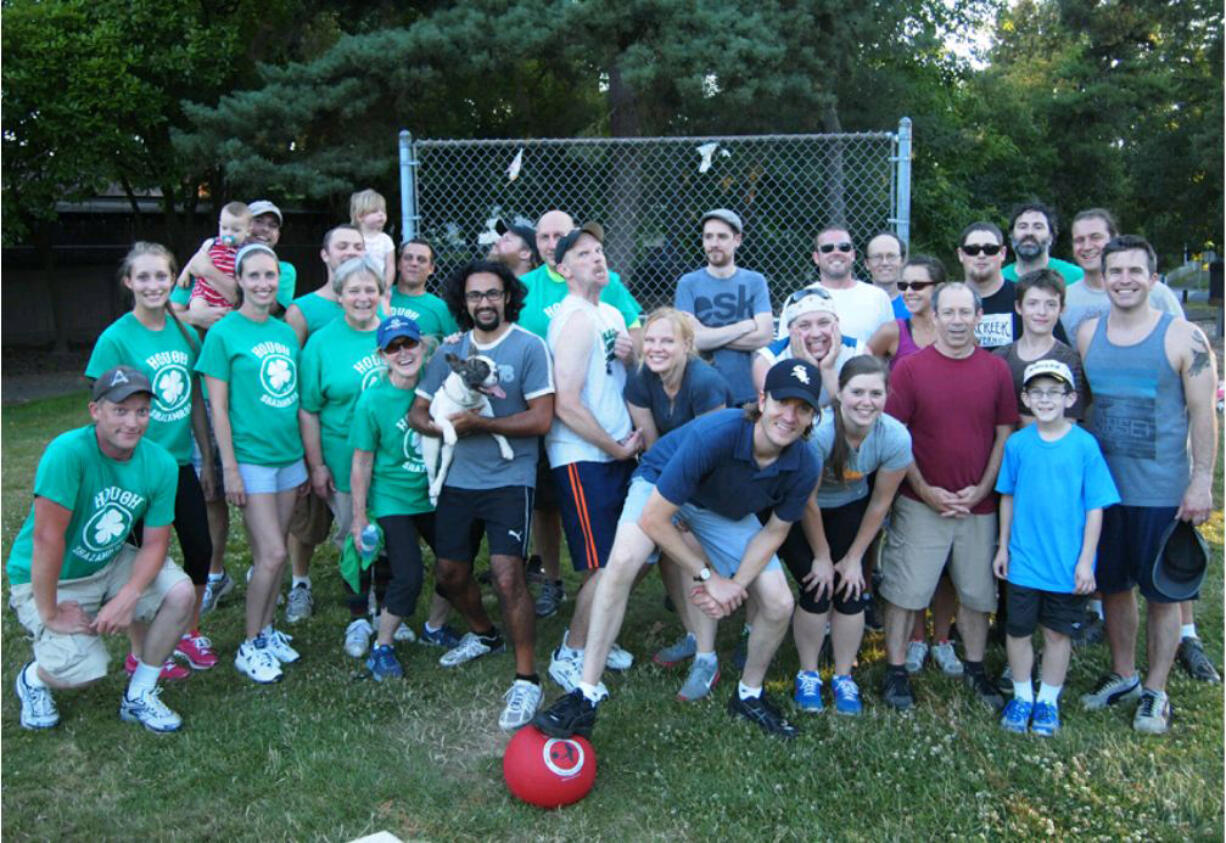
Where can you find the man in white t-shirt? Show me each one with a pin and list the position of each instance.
(862, 307)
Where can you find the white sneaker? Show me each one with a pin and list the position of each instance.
(255, 659)
(149, 711)
(301, 603)
(523, 699)
(470, 647)
(917, 652)
(38, 709)
(618, 659)
(278, 643)
(567, 672)
(357, 637)
(944, 657)
(404, 632)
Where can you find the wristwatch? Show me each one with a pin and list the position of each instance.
(703, 575)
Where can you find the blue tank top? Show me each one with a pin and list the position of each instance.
(1140, 416)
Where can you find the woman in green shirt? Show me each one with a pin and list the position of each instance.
(250, 364)
(153, 340)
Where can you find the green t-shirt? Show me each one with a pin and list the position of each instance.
(1070, 272)
(338, 365)
(317, 311)
(167, 359)
(399, 484)
(427, 310)
(106, 497)
(259, 360)
(546, 289)
(285, 287)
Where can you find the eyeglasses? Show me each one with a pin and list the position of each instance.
(827, 248)
(1046, 393)
(475, 296)
(891, 256)
(805, 293)
(915, 285)
(982, 249)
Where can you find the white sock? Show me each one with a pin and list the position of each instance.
(748, 693)
(1023, 691)
(266, 631)
(144, 678)
(1188, 630)
(32, 677)
(705, 658)
(297, 581)
(1095, 606)
(431, 628)
(217, 577)
(1049, 694)
(590, 692)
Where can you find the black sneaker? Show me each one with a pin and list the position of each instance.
(569, 715)
(984, 689)
(763, 712)
(896, 691)
(1193, 659)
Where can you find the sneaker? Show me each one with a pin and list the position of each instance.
(675, 653)
(1046, 720)
(762, 712)
(301, 604)
(38, 709)
(917, 654)
(382, 663)
(255, 659)
(549, 599)
(618, 659)
(523, 699)
(1153, 715)
(1195, 662)
(1016, 716)
(470, 647)
(171, 670)
(278, 643)
(1111, 689)
(214, 591)
(567, 672)
(896, 691)
(196, 650)
(984, 689)
(357, 637)
(944, 657)
(703, 676)
(570, 715)
(444, 636)
(846, 696)
(149, 711)
(404, 634)
(808, 693)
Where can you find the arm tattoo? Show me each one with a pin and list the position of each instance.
(1200, 353)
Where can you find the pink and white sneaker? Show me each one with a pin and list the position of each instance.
(196, 650)
(171, 670)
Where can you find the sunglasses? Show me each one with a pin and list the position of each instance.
(985, 249)
(827, 248)
(915, 285)
(805, 293)
(396, 346)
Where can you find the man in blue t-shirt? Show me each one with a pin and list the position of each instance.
(714, 474)
(731, 306)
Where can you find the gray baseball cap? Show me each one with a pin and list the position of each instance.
(121, 382)
(723, 215)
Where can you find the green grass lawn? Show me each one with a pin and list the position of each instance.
(329, 755)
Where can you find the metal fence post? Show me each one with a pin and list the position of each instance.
(408, 189)
(903, 183)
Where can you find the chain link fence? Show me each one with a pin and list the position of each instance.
(649, 193)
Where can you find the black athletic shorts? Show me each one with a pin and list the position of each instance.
(1030, 607)
(505, 513)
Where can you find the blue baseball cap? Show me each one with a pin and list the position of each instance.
(394, 327)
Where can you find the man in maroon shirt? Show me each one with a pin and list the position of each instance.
(958, 402)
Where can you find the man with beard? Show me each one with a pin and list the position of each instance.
(516, 247)
(731, 306)
(1032, 230)
(483, 491)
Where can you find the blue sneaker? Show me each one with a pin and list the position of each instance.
(1016, 716)
(808, 694)
(1046, 720)
(846, 695)
(444, 636)
(382, 663)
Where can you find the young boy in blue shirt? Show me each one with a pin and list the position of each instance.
(1054, 485)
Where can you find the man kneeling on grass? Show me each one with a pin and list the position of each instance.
(713, 473)
(74, 577)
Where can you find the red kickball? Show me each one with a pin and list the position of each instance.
(548, 772)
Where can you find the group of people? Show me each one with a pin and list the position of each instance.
(946, 416)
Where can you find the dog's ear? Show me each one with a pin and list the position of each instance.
(454, 362)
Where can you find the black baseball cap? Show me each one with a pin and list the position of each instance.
(1179, 566)
(795, 379)
(121, 382)
(521, 230)
(595, 229)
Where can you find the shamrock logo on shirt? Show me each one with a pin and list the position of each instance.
(279, 375)
(107, 527)
(171, 387)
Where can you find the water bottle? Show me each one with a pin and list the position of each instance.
(369, 542)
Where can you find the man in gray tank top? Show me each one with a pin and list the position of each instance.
(1153, 378)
